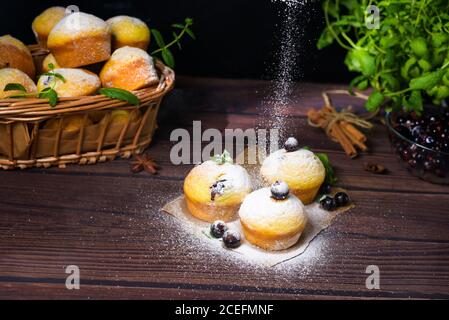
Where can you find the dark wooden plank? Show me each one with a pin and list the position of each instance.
(350, 172)
(135, 243)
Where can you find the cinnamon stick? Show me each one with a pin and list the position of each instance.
(353, 138)
(335, 133)
(345, 143)
(353, 131)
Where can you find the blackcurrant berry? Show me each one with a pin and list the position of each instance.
(231, 239)
(328, 203)
(342, 199)
(218, 228)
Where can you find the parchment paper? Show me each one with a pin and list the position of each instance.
(319, 220)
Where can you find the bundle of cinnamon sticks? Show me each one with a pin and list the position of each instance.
(340, 126)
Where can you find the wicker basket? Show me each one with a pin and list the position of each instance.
(25, 143)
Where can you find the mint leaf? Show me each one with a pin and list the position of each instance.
(190, 33)
(168, 58)
(177, 25)
(374, 101)
(158, 37)
(14, 87)
(355, 82)
(51, 95)
(120, 94)
(428, 81)
(326, 39)
(60, 77)
(330, 177)
(360, 60)
(414, 102)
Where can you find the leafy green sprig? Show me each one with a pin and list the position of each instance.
(47, 93)
(180, 30)
(405, 61)
(222, 158)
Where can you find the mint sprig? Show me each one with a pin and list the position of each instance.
(47, 93)
(164, 48)
(222, 158)
(50, 92)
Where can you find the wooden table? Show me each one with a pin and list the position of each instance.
(107, 220)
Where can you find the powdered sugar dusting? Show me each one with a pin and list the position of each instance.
(132, 20)
(79, 75)
(286, 68)
(303, 163)
(145, 74)
(79, 23)
(259, 209)
(78, 82)
(318, 221)
(130, 53)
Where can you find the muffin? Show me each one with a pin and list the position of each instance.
(301, 169)
(129, 31)
(78, 83)
(14, 54)
(215, 191)
(130, 69)
(45, 22)
(70, 124)
(49, 59)
(80, 39)
(121, 117)
(9, 75)
(272, 219)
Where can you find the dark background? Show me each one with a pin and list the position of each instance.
(235, 38)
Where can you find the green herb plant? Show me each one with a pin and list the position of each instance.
(179, 31)
(405, 61)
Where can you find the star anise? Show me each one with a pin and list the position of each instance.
(375, 168)
(144, 163)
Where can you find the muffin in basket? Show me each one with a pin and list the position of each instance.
(273, 219)
(130, 69)
(215, 189)
(10, 75)
(70, 124)
(45, 22)
(301, 169)
(77, 83)
(129, 31)
(80, 39)
(14, 54)
(49, 60)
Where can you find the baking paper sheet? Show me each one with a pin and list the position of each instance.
(319, 220)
